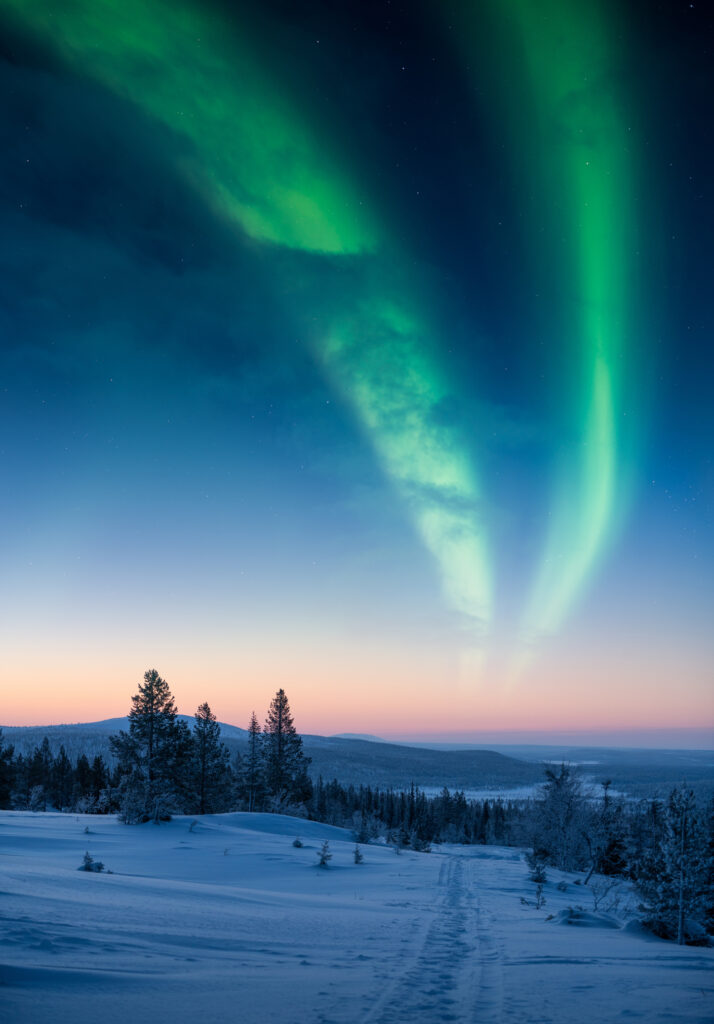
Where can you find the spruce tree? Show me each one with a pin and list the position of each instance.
(82, 779)
(40, 775)
(252, 775)
(7, 773)
(20, 795)
(152, 716)
(708, 872)
(562, 820)
(153, 756)
(212, 770)
(99, 776)
(672, 877)
(286, 766)
(62, 781)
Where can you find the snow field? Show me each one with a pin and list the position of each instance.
(225, 920)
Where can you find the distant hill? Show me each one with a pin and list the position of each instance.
(357, 760)
(365, 736)
(352, 761)
(90, 738)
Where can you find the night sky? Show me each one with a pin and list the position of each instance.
(363, 349)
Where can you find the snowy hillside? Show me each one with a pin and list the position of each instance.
(225, 920)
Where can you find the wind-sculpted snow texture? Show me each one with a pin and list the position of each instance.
(222, 919)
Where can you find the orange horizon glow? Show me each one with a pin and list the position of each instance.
(380, 692)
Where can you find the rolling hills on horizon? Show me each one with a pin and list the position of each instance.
(357, 760)
(352, 761)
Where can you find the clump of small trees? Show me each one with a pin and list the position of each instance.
(164, 767)
(674, 871)
(40, 780)
(666, 848)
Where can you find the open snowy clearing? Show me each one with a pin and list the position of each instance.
(228, 921)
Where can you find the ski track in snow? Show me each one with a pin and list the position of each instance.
(455, 973)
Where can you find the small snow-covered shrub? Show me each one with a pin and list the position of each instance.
(420, 845)
(539, 900)
(361, 830)
(37, 799)
(89, 864)
(297, 842)
(358, 855)
(605, 892)
(324, 855)
(85, 805)
(536, 862)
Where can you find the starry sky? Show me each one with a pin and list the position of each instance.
(363, 349)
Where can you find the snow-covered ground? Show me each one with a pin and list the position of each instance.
(228, 921)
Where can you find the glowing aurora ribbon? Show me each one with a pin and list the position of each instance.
(262, 165)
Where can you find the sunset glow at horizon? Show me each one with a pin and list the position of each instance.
(366, 361)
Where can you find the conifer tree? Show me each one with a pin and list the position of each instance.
(40, 774)
(99, 776)
(213, 777)
(252, 774)
(62, 780)
(562, 815)
(708, 872)
(672, 877)
(7, 773)
(82, 779)
(153, 755)
(285, 763)
(152, 716)
(20, 795)
(175, 764)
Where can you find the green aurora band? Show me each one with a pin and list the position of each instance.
(262, 165)
(249, 151)
(570, 139)
(380, 362)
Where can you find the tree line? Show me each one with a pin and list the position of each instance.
(665, 847)
(161, 766)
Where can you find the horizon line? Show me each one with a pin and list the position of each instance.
(624, 736)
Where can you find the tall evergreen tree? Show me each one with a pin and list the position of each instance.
(82, 784)
(153, 755)
(285, 763)
(20, 795)
(708, 873)
(562, 815)
(99, 776)
(62, 780)
(673, 878)
(212, 770)
(7, 773)
(152, 717)
(252, 775)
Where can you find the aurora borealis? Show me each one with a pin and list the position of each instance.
(358, 350)
(572, 124)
